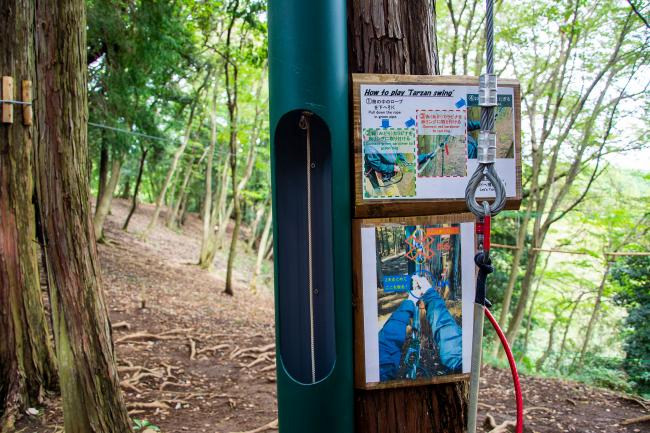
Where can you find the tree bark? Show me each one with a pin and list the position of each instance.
(207, 239)
(392, 37)
(259, 214)
(126, 189)
(387, 36)
(92, 400)
(261, 249)
(175, 213)
(549, 346)
(138, 181)
(514, 270)
(531, 307)
(27, 366)
(560, 355)
(104, 203)
(235, 199)
(526, 284)
(172, 169)
(103, 168)
(594, 316)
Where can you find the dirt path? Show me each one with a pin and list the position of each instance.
(194, 360)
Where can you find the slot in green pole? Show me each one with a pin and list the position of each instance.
(310, 160)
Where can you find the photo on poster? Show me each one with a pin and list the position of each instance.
(419, 301)
(503, 126)
(442, 156)
(389, 162)
(441, 143)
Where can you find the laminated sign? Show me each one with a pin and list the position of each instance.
(414, 310)
(416, 142)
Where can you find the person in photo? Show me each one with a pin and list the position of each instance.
(446, 332)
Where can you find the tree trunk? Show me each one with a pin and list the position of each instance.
(560, 355)
(259, 214)
(518, 316)
(170, 172)
(392, 37)
(594, 316)
(224, 221)
(104, 203)
(269, 249)
(531, 307)
(134, 202)
(207, 239)
(182, 214)
(236, 207)
(231, 90)
(514, 269)
(126, 189)
(27, 366)
(92, 399)
(261, 249)
(175, 207)
(529, 324)
(549, 346)
(175, 214)
(103, 168)
(216, 215)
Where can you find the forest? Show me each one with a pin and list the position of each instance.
(136, 227)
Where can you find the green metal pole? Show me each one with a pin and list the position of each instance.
(310, 160)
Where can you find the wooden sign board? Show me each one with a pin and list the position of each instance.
(413, 294)
(415, 143)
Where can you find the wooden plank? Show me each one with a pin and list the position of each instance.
(27, 97)
(357, 298)
(8, 95)
(413, 207)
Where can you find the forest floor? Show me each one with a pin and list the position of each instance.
(192, 359)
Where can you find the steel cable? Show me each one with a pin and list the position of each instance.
(486, 170)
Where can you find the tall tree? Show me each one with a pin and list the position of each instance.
(206, 256)
(105, 199)
(398, 37)
(138, 53)
(565, 116)
(134, 202)
(27, 366)
(92, 400)
(238, 52)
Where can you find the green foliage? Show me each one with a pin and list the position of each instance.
(633, 275)
(604, 372)
(143, 424)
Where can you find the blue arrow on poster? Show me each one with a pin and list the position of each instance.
(460, 103)
(410, 122)
(385, 123)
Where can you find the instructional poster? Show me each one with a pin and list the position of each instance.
(418, 287)
(420, 141)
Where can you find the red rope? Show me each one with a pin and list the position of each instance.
(513, 369)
